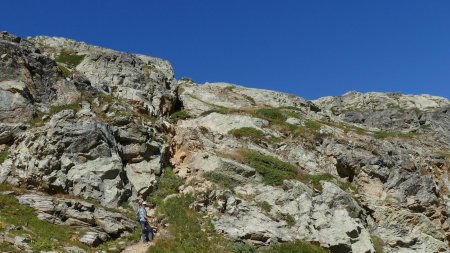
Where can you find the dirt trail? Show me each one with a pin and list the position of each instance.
(139, 247)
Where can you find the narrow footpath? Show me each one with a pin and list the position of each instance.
(139, 247)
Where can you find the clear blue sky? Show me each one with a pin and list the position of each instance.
(308, 48)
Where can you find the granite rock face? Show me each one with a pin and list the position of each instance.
(103, 225)
(198, 99)
(391, 111)
(396, 166)
(69, 156)
(148, 81)
(368, 171)
(292, 213)
(28, 77)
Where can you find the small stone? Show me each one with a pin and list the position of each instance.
(7, 192)
(74, 249)
(295, 121)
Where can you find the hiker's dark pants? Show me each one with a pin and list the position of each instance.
(147, 231)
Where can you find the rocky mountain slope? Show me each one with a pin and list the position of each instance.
(85, 132)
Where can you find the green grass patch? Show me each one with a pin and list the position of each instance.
(315, 180)
(70, 59)
(57, 108)
(105, 98)
(425, 127)
(44, 236)
(270, 114)
(116, 244)
(293, 114)
(357, 130)
(221, 179)
(188, 230)
(66, 72)
(312, 125)
(377, 244)
(168, 184)
(37, 121)
(293, 108)
(442, 153)
(4, 155)
(277, 118)
(6, 247)
(388, 134)
(240, 247)
(248, 132)
(265, 206)
(294, 247)
(289, 220)
(249, 99)
(345, 127)
(273, 170)
(180, 115)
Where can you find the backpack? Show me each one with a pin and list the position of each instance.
(138, 216)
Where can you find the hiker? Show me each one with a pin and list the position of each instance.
(144, 219)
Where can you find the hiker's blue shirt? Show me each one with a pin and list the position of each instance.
(142, 214)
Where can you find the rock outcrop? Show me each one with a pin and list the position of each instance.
(354, 173)
(399, 177)
(331, 218)
(102, 225)
(27, 78)
(147, 81)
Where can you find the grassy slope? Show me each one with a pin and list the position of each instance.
(190, 232)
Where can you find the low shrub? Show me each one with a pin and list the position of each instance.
(377, 244)
(249, 99)
(168, 184)
(4, 155)
(315, 180)
(64, 70)
(273, 170)
(43, 235)
(240, 247)
(312, 125)
(180, 115)
(221, 179)
(387, 134)
(293, 247)
(444, 154)
(270, 114)
(248, 132)
(70, 59)
(188, 230)
(57, 108)
(265, 206)
(289, 220)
